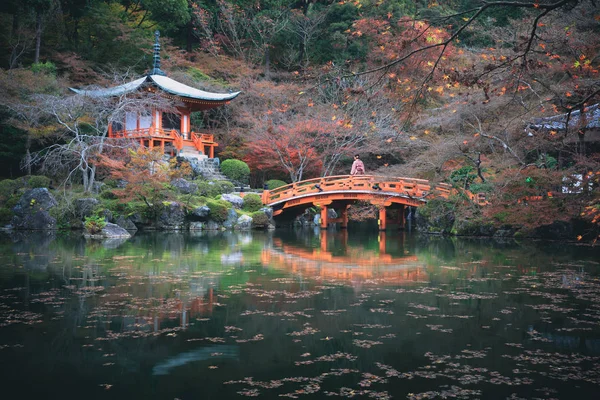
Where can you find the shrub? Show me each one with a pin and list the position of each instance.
(5, 215)
(208, 189)
(38, 181)
(108, 195)
(274, 184)
(483, 187)
(111, 183)
(218, 210)
(252, 202)
(459, 176)
(259, 220)
(47, 68)
(236, 170)
(94, 224)
(225, 186)
(8, 187)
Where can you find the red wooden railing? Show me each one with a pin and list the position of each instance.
(398, 186)
(198, 140)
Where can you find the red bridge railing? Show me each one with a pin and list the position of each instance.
(415, 188)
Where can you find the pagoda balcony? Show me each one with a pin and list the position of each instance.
(158, 137)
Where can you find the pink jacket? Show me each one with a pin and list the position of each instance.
(358, 168)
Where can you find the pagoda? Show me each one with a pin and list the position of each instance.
(164, 129)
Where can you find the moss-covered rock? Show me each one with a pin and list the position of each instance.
(437, 216)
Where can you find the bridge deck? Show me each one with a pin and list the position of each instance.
(369, 185)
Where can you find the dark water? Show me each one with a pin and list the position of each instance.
(298, 314)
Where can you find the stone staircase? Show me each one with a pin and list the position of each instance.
(210, 170)
(202, 165)
(207, 167)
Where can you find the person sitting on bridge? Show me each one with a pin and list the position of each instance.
(358, 168)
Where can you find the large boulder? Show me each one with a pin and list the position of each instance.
(213, 226)
(200, 213)
(268, 211)
(40, 220)
(232, 218)
(110, 231)
(126, 223)
(197, 226)
(244, 223)
(184, 186)
(85, 207)
(172, 218)
(31, 212)
(235, 200)
(35, 200)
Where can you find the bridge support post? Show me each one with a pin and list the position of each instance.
(401, 218)
(382, 219)
(324, 217)
(344, 212)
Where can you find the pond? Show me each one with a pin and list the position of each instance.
(298, 314)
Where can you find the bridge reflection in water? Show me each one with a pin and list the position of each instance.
(335, 262)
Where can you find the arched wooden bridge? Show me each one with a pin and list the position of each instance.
(339, 192)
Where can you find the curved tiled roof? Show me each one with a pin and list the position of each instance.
(591, 119)
(162, 82)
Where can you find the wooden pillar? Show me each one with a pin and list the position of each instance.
(265, 196)
(382, 219)
(212, 152)
(323, 217)
(142, 142)
(382, 246)
(184, 125)
(344, 212)
(151, 143)
(162, 146)
(401, 218)
(157, 120)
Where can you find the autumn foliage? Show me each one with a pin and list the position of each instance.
(144, 173)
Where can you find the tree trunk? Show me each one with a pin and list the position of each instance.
(84, 177)
(15, 33)
(28, 155)
(92, 178)
(89, 177)
(267, 63)
(479, 172)
(189, 37)
(38, 36)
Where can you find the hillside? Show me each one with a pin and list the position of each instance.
(453, 91)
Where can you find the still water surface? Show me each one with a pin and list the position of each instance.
(298, 314)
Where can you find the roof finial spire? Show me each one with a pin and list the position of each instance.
(156, 69)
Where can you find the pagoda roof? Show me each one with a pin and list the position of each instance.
(589, 120)
(164, 83)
